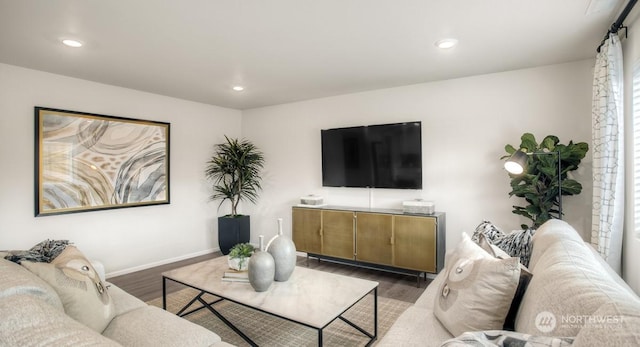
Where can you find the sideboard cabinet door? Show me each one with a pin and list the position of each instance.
(374, 238)
(307, 230)
(338, 234)
(415, 243)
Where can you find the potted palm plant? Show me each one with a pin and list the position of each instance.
(234, 170)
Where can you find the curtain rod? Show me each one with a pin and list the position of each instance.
(618, 23)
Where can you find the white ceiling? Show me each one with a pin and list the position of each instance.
(289, 50)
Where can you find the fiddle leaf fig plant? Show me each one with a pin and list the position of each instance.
(538, 184)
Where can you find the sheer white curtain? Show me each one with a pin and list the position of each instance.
(608, 153)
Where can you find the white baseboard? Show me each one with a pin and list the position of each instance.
(161, 262)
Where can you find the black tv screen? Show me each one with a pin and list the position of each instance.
(376, 156)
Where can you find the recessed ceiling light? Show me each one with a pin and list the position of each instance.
(446, 43)
(72, 43)
(238, 88)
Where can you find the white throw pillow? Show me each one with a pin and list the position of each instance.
(478, 289)
(82, 292)
(525, 278)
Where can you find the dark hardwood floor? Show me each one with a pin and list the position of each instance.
(147, 284)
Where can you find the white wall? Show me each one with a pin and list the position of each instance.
(121, 238)
(631, 241)
(466, 124)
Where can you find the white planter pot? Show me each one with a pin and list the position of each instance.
(239, 264)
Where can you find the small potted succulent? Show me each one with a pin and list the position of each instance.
(239, 256)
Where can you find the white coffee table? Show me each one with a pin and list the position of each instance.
(310, 297)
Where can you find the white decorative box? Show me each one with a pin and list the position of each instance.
(311, 200)
(418, 207)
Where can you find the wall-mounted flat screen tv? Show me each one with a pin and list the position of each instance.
(374, 156)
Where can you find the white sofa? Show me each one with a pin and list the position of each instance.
(589, 300)
(32, 314)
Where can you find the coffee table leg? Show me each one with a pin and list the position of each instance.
(375, 314)
(164, 293)
(373, 336)
(320, 337)
(228, 323)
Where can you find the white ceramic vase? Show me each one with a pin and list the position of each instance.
(283, 251)
(261, 269)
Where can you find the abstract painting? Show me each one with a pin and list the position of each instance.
(88, 162)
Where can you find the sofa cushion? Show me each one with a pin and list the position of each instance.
(475, 285)
(415, 327)
(149, 326)
(426, 300)
(30, 321)
(84, 296)
(418, 326)
(14, 279)
(123, 302)
(568, 283)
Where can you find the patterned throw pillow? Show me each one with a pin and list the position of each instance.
(516, 244)
(477, 286)
(491, 232)
(497, 338)
(83, 295)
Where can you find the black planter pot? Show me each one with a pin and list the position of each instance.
(233, 230)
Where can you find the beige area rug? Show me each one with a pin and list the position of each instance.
(266, 330)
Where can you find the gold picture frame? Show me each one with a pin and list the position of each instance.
(88, 162)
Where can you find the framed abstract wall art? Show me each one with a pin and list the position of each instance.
(87, 162)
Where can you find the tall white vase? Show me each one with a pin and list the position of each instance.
(261, 269)
(283, 251)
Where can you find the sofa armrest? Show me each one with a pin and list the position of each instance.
(29, 321)
(614, 276)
